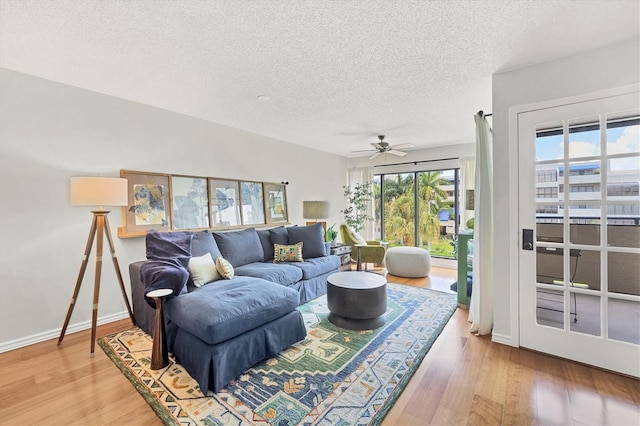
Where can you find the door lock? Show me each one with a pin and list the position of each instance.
(527, 239)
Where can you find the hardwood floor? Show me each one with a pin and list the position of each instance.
(464, 379)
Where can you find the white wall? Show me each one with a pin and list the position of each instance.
(614, 66)
(50, 132)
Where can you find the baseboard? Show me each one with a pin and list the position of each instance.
(52, 334)
(503, 339)
(441, 262)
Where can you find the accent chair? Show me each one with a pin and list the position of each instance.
(373, 252)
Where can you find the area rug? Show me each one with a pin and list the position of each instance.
(334, 376)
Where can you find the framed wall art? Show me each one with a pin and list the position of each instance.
(224, 199)
(166, 202)
(190, 202)
(276, 203)
(149, 204)
(252, 203)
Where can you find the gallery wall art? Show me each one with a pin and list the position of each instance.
(165, 202)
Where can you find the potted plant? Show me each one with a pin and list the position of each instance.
(358, 199)
(332, 234)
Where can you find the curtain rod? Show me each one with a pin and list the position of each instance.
(482, 114)
(417, 162)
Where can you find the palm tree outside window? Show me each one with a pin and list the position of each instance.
(423, 215)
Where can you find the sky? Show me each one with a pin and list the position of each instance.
(620, 140)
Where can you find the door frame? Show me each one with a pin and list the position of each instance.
(514, 195)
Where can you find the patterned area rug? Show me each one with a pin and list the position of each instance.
(335, 376)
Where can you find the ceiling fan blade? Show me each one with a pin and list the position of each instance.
(402, 146)
(396, 152)
(363, 150)
(374, 156)
(376, 145)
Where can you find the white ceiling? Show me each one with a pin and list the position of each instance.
(336, 73)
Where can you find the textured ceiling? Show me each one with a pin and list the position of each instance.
(336, 73)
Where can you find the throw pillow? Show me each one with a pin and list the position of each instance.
(289, 253)
(358, 237)
(203, 270)
(313, 238)
(224, 267)
(203, 243)
(267, 243)
(240, 247)
(279, 235)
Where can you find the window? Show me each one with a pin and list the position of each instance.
(418, 209)
(546, 176)
(547, 209)
(623, 209)
(547, 192)
(622, 189)
(583, 188)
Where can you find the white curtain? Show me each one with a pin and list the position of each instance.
(481, 308)
(361, 175)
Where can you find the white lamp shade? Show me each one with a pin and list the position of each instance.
(315, 209)
(98, 191)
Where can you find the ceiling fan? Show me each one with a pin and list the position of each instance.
(383, 147)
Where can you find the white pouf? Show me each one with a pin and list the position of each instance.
(409, 262)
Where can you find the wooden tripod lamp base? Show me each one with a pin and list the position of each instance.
(97, 191)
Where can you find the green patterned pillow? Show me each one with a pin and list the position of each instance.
(282, 253)
(224, 267)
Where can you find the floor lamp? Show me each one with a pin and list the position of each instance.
(97, 191)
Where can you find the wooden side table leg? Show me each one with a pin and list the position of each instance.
(159, 355)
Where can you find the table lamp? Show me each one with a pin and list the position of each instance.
(97, 191)
(316, 210)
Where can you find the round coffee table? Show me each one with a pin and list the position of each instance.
(357, 300)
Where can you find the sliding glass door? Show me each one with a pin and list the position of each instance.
(418, 209)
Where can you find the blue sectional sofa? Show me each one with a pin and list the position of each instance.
(220, 329)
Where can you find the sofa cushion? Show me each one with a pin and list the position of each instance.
(215, 313)
(202, 270)
(312, 238)
(281, 273)
(279, 235)
(292, 253)
(316, 266)
(267, 244)
(240, 247)
(202, 243)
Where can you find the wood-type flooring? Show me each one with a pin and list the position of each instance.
(464, 379)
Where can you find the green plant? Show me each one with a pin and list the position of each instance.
(358, 199)
(331, 233)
